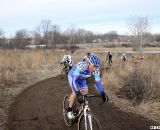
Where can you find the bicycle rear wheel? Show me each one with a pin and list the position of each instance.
(91, 122)
(65, 107)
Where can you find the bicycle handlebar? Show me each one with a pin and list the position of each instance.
(92, 95)
(88, 97)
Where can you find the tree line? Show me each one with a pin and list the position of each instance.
(50, 35)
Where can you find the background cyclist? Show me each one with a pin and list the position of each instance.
(67, 62)
(124, 58)
(77, 80)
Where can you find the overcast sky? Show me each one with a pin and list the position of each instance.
(99, 16)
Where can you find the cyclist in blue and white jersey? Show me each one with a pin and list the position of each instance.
(77, 80)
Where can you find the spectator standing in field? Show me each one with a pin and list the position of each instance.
(109, 58)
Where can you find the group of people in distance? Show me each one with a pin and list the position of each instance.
(109, 58)
(123, 58)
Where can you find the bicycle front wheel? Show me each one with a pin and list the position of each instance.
(88, 123)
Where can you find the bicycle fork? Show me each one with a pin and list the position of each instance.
(87, 116)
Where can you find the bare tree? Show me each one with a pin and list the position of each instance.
(1, 33)
(157, 37)
(70, 32)
(45, 27)
(55, 35)
(81, 35)
(89, 36)
(22, 38)
(111, 36)
(36, 38)
(2, 38)
(138, 26)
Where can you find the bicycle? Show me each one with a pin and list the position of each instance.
(86, 120)
(123, 62)
(65, 70)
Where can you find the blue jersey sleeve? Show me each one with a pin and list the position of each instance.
(76, 75)
(98, 81)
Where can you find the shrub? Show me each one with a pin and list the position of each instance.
(142, 84)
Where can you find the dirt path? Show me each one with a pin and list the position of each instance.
(40, 108)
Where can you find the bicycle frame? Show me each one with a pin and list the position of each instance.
(85, 108)
(83, 115)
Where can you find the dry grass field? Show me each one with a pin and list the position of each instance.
(102, 48)
(134, 86)
(21, 68)
(20, 65)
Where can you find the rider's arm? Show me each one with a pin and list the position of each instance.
(98, 81)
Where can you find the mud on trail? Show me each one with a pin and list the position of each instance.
(39, 107)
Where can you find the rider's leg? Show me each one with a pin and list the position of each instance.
(109, 62)
(73, 95)
(70, 67)
(65, 68)
(71, 103)
(83, 89)
(72, 98)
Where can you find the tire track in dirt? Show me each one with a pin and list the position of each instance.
(39, 107)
